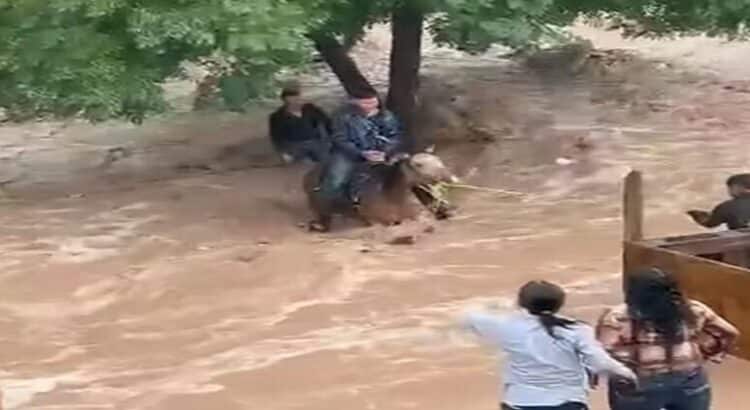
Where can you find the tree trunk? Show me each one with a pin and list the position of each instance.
(341, 63)
(406, 56)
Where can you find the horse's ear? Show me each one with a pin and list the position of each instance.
(430, 149)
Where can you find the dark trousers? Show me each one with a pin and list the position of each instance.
(337, 173)
(672, 391)
(312, 150)
(566, 406)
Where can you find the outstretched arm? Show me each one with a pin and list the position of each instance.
(490, 328)
(595, 356)
(712, 219)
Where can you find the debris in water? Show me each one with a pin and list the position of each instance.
(564, 161)
(403, 240)
(582, 144)
(247, 258)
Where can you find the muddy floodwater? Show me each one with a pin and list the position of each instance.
(201, 292)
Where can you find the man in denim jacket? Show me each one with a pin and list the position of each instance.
(362, 132)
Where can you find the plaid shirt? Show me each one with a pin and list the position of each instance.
(643, 349)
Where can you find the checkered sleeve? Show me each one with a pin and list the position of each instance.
(716, 336)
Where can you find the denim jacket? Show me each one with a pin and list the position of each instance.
(354, 133)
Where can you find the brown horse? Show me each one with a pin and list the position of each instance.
(385, 198)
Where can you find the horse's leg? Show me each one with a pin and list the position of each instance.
(363, 212)
(323, 211)
(321, 224)
(376, 210)
(365, 222)
(323, 216)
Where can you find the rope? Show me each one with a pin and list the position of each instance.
(484, 189)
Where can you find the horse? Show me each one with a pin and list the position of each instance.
(384, 193)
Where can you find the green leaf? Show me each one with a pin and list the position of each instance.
(108, 58)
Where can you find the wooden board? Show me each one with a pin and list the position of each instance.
(632, 207)
(703, 244)
(723, 287)
(694, 260)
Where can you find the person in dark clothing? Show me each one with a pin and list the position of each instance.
(735, 212)
(299, 130)
(363, 132)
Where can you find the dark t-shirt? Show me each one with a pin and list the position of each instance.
(734, 212)
(287, 128)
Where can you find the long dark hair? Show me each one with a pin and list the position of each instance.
(654, 299)
(544, 299)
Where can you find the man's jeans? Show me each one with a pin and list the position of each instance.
(566, 406)
(336, 176)
(673, 391)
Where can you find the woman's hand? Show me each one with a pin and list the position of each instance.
(630, 383)
(630, 376)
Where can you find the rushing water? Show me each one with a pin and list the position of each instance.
(201, 293)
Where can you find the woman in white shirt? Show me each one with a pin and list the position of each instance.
(548, 356)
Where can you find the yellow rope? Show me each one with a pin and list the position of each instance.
(437, 192)
(484, 189)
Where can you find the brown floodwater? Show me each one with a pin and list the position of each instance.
(202, 292)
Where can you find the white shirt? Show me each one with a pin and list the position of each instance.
(539, 369)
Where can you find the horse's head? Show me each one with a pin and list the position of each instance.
(426, 168)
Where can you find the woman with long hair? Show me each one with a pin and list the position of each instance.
(548, 356)
(666, 339)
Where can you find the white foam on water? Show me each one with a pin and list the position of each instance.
(496, 242)
(59, 310)
(75, 250)
(75, 406)
(137, 206)
(54, 211)
(352, 278)
(90, 248)
(64, 354)
(200, 184)
(18, 393)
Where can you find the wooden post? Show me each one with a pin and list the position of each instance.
(632, 207)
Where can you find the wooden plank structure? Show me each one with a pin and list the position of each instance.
(713, 268)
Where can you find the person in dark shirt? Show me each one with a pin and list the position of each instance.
(299, 130)
(735, 212)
